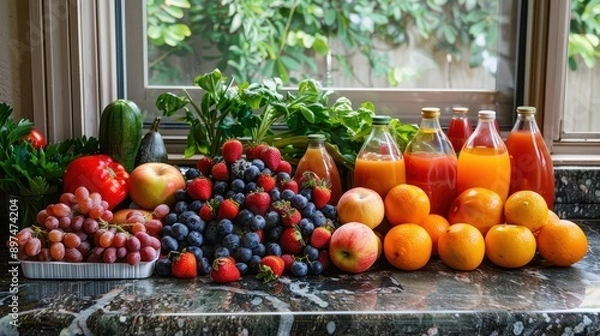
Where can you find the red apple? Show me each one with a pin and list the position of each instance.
(154, 183)
(361, 205)
(353, 247)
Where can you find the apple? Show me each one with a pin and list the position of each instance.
(353, 247)
(361, 205)
(154, 183)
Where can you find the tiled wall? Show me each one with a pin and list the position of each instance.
(577, 192)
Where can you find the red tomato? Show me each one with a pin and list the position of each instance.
(98, 173)
(36, 139)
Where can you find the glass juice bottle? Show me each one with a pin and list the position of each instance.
(379, 164)
(431, 162)
(317, 159)
(531, 164)
(460, 128)
(484, 161)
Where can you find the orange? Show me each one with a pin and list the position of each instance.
(552, 217)
(407, 247)
(510, 246)
(434, 225)
(461, 247)
(527, 208)
(563, 243)
(406, 203)
(479, 207)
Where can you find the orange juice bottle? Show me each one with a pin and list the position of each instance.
(317, 160)
(431, 162)
(484, 161)
(531, 164)
(379, 164)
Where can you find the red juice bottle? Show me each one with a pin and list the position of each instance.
(460, 128)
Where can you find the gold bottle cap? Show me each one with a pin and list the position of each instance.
(460, 110)
(430, 112)
(487, 114)
(526, 110)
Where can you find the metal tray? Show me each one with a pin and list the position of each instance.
(85, 270)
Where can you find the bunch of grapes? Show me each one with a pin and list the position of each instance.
(78, 229)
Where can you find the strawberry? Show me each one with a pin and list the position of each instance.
(255, 153)
(320, 237)
(200, 188)
(281, 206)
(258, 202)
(207, 212)
(284, 167)
(270, 268)
(204, 165)
(223, 270)
(271, 156)
(289, 184)
(291, 217)
(232, 150)
(266, 181)
(320, 195)
(228, 209)
(220, 171)
(308, 179)
(288, 260)
(184, 265)
(291, 240)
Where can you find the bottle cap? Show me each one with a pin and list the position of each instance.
(487, 114)
(315, 138)
(526, 110)
(381, 120)
(430, 112)
(460, 109)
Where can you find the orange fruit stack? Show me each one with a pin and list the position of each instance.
(406, 203)
(407, 247)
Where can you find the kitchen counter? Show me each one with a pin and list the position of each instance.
(534, 300)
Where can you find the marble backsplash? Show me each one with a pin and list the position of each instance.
(577, 192)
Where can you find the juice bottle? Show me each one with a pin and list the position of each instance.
(318, 160)
(379, 164)
(484, 161)
(431, 162)
(531, 164)
(460, 128)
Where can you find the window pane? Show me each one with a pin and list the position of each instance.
(582, 103)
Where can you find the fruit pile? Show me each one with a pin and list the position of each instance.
(79, 228)
(244, 208)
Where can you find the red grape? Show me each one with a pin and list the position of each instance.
(121, 252)
(51, 223)
(90, 225)
(61, 210)
(148, 253)
(119, 239)
(110, 255)
(133, 244)
(33, 247)
(77, 222)
(106, 239)
(71, 240)
(154, 226)
(82, 194)
(73, 255)
(161, 211)
(134, 258)
(56, 235)
(44, 254)
(57, 251)
(41, 216)
(68, 199)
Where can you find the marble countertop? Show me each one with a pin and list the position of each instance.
(534, 300)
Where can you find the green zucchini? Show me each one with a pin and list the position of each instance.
(121, 131)
(152, 148)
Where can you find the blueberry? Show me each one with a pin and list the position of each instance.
(258, 163)
(274, 249)
(244, 217)
(203, 266)
(309, 210)
(195, 205)
(330, 211)
(211, 235)
(218, 198)
(306, 192)
(225, 227)
(222, 251)
(194, 222)
(231, 241)
(287, 194)
(195, 238)
(311, 252)
(251, 173)
(192, 173)
(181, 195)
(299, 268)
(183, 217)
(163, 267)
(180, 231)
(180, 207)
(259, 250)
(196, 251)
(254, 263)
(220, 187)
(237, 185)
(318, 218)
(239, 198)
(229, 194)
(272, 219)
(299, 201)
(257, 222)
(168, 244)
(167, 231)
(242, 267)
(250, 187)
(282, 176)
(306, 226)
(208, 250)
(242, 254)
(266, 171)
(274, 233)
(171, 218)
(275, 194)
(315, 267)
(250, 240)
